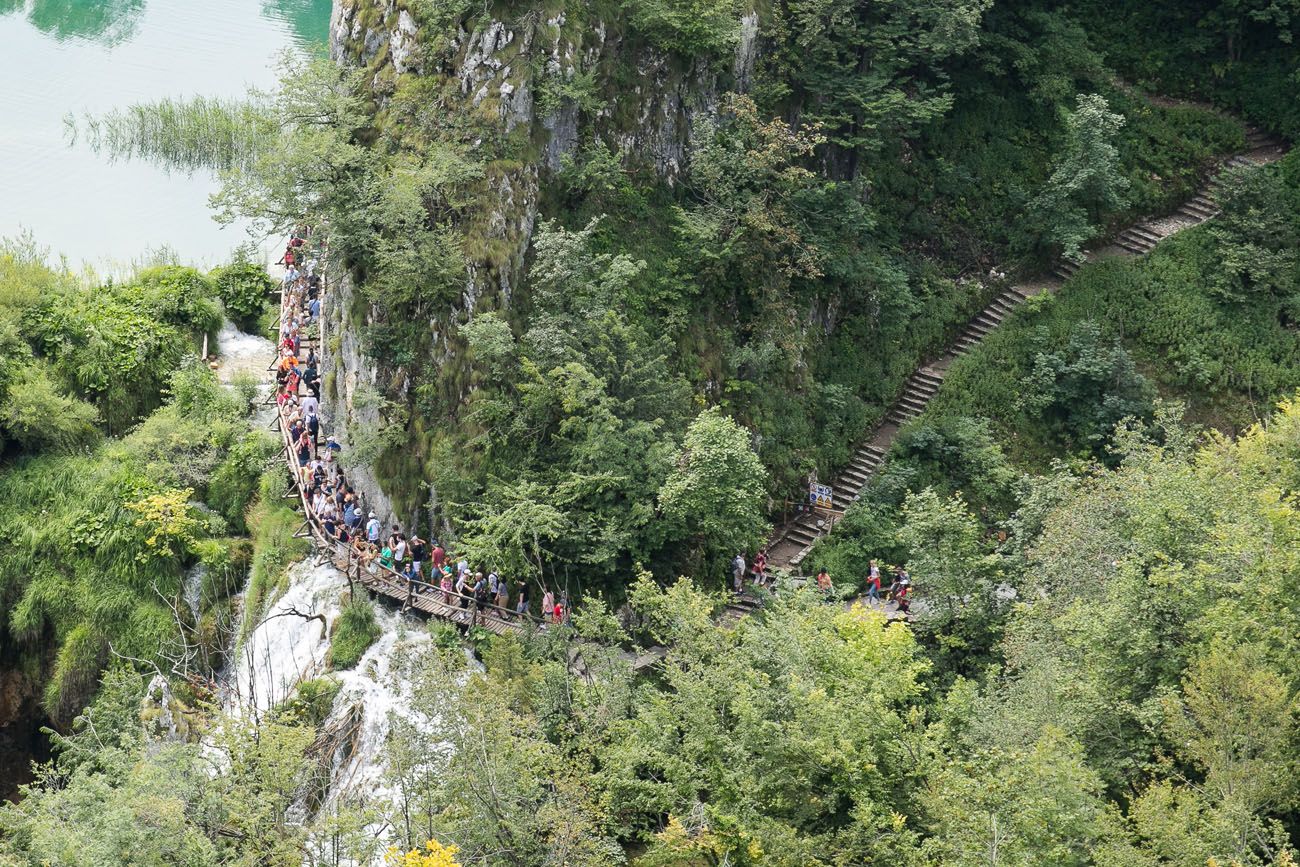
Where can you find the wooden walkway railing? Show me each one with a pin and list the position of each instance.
(374, 575)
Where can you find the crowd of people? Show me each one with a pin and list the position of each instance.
(899, 590)
(340, 509)
(427, 568)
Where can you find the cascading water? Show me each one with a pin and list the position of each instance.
(291, 642)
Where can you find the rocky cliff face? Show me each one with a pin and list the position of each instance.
(561, 81)
(550, 84)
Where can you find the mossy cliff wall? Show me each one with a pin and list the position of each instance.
(524, 88)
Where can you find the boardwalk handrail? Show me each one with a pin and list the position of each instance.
(375, 575)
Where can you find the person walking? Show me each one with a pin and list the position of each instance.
(738, 573)
(548, 604)
(873, 583)
(760, 568)
(904, 595)
(521, 596)
(372, 529)
(480, 598)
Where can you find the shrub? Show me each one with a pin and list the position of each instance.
(39, 417)
(244, 287)
(354, 632)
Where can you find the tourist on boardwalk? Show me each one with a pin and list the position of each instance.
(372, 529)
(521, 596)
(462, 588)
(480, 598)
(398, 543)
(873, 582)
(503, 595)
(419, 552)
(447, 584)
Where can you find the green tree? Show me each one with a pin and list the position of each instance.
(714, 497)
(1258, 234)
(1082, 390)
(1086, 181)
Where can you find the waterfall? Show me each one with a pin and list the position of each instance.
(290, 644)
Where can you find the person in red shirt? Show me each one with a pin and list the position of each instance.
(873, 583)
(438, 556)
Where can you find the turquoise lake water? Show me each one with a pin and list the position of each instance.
(76, 56)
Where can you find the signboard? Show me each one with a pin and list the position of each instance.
(820, 495)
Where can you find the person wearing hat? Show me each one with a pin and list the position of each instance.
(333, 444)
(372, 529)
(904, 595)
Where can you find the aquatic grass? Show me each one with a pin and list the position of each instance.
(188, 135)
(354, 632)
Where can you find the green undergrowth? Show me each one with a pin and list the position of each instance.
(354, 631)
(1207, 321)
(272, 525)
(1228, 355)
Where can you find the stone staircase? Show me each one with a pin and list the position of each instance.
(792, 541)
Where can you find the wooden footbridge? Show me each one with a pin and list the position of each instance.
(367, 570)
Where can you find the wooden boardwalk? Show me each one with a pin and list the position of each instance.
(793, 540)
(373, 575)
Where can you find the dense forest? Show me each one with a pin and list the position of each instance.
(609, 283)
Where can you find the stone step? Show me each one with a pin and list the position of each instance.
(1006, 303)
(874, 449)
(917, 403)
(1138, 247)
(851, 479)
(802, 535)
(1208, 210)
(1196, 213)
(864, 460)
(1142, 232)
(921, 389)
(926, 376)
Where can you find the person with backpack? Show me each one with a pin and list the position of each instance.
(738, 573)
(480, 598)
(418, 553)
(904, 594)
